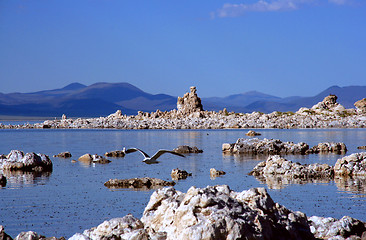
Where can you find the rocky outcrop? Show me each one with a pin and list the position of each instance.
(189, 103)
(187, 149)
(252, 133)
(352, 165)
(17, 160)
(127, 227)
(344, 228)
(2, 180)
(327, 106)
(115, 154)
(275, 165)
(329, 147)
(217, 212)
(178, 174)
(361, 106)
(63, 155)
(265, 146)
(141, 183)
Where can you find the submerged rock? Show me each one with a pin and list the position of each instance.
(63, 155)
(361, 147)
(178, 174)
(215, 173)
(265, 146)
(95, 158)
(145, 183)
(17, 160)
(187, 149)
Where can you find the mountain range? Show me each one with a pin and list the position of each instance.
(102, 99)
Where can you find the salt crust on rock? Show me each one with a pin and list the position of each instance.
(17, 160)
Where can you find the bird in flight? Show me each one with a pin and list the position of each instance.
(150, 160)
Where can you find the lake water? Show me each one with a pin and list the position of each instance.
(73, 198)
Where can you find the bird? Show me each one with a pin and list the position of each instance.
(150, 160)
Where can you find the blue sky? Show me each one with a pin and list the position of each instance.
(279, 47)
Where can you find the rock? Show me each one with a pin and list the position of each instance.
(362, 147)
(215, 173)
(2, 181)
(329, 147)
(127, 227)
(216, 212)
(117, 114)
(116, 154)
(252, 133)
(17, 160)
(361, 106)
(178, 174)
(189, 103)
(3, 235)
(275, 165)
(99, 159)
(326, 228)
(265, 146)
(187, 149)
(352, 165)
(86, 158)
(63, 117)
(63, 155)
(30, 235)
(144, 183)
(329, 104)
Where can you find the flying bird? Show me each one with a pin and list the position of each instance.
(148, 159)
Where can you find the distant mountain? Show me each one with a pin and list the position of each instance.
(102, 99)
(256, 101)
(78, 100)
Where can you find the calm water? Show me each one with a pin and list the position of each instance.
(73, 198)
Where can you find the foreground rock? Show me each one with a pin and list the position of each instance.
(63, 155)
(178, 174)
(142, 183)
(220, 213)
(352, 165)
(17, 160)
(276, 165)
(265, 146)
(30, 235)
(127, 227)
(187, 149)
(3, 235)
(345, 228)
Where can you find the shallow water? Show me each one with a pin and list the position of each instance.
(73, 198)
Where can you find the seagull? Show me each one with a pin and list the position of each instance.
(150, 160)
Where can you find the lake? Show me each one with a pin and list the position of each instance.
(72, 197)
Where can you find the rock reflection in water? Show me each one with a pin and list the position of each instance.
(354, 185)
(280, 181)
(20, 178)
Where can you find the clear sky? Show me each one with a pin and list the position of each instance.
(279, 47)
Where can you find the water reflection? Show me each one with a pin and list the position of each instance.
(353, 185)
(22, 178)
(279, 181)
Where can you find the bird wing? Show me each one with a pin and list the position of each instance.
(162, 151)
(131, 150)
